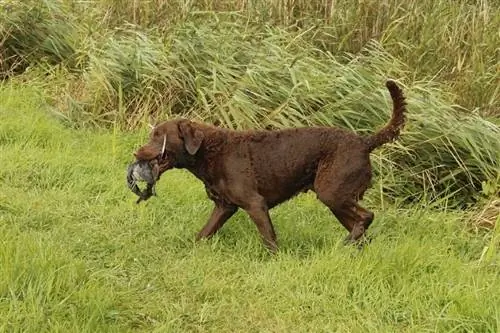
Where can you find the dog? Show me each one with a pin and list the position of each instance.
(255, 170)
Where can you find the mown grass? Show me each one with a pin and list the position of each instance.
(77, 254)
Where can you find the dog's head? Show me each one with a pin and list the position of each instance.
(172, 144)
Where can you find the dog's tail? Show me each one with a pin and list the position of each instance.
(390, 131)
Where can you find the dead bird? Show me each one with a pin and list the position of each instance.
(143, 171)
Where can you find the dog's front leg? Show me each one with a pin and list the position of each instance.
(258, 212)
(220, 214)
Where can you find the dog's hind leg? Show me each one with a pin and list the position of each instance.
(338, 188)
(352, 216)
(362, 217)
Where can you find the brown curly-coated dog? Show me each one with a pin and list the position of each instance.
(257, 170)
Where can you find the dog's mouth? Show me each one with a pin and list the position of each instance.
(164, 158)
(149, 165)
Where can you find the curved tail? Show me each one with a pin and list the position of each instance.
(390, 131)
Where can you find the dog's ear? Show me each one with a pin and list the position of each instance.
(192, 137)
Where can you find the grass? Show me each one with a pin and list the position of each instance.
(453, 42)
(77, 254)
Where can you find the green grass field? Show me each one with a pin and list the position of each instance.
(77, 254)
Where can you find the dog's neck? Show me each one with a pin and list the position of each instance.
(200, 164)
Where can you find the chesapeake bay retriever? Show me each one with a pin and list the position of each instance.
(257, 170)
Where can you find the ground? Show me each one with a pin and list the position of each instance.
(78, 255)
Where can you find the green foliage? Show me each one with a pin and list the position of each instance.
(77, 254)
(452, 41)
(36, 32)
(250, 78)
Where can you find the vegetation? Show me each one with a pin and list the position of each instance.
(452, 42)
(266, 64)
(80, 82)
(77, 254)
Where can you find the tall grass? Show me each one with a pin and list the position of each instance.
(36, 32)
(264, 65)
(250, 78)
(453, 41)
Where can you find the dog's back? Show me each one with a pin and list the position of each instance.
(284, 163)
